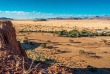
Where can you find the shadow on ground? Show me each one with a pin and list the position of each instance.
(88, 70)
(51, 47)
(91, 70)
(30, 45)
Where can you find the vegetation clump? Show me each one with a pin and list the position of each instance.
(26, 41)
(58, 50)
(84, 33)
(71, 41)
(72, 33)
(48, 41)
(81, 51)
(43, 45)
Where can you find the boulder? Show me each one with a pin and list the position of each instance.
(8, 38)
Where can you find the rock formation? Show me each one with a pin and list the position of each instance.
(11, 56)
(8, 38)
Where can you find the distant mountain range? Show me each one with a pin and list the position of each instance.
(4, 18)
(70, 18)
(79, 18)
(101, 18)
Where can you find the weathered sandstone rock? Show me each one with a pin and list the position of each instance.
(8, 38)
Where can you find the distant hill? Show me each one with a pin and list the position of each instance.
(100, 18)
(4, 18)
(80, 18)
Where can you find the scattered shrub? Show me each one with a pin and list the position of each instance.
(71, 41)
(45, 59)
(74, 33)
(84, 33)
(43, 45)
(81, 51)
(59, 33)
(63, 33)
(106, 28)
(26, 40)
(108, 34)
(58, 50)
(48, 41)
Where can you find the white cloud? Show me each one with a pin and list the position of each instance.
(14, 12)
(34, 14)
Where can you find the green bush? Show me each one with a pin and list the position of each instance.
(95, 34)
(92, 34)
(48, 41)
(102, 34)
(108, 34)
(62, 33)
(84, 33)
(45, 59)
(74, 33)
(26, 40)
(59, 33)
(81, 51)
(43, 45)
(58, 50)
(71, 41)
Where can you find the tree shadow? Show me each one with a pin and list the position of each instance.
(46, 63)
(77, 42)
(51, 47)
(65, 51)
(91, 70)
(30, 45)
(88, 70)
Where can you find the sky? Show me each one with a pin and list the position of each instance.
(30, 9)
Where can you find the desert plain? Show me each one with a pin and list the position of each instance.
(59, 50)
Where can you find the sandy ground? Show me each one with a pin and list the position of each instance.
(69, 52)
(61, 24)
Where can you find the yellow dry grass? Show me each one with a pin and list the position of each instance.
(60, 24)
(69, 54)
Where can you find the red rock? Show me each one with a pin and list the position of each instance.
(8, 38)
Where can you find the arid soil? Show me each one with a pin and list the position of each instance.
(69, 52)
(60, 50)
(52, 25)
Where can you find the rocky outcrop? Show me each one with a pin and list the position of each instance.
(8, 38)
(11, 56)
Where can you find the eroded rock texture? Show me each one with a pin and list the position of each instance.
(8, 38)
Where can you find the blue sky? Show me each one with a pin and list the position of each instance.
(29, 9)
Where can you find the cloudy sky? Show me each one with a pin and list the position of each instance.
(29, 9)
